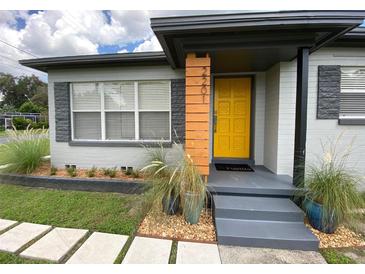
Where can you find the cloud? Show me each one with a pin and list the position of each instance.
(149, 45)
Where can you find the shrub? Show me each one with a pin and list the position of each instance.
(111, 172)
(2, 128)
(29, 107)
(91, 172)
(21, 123)
(71, 171)
(331, 184)
(136, 173)
(53, 170)
(40, 124)
(24, 151)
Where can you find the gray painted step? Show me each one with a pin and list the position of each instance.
(257, 208)
(269, 234)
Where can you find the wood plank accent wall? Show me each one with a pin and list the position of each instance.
(197, 99)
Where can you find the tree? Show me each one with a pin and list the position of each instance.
(29, 107)
(41, 97)
(15, 90)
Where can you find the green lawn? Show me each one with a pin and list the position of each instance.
(105, 212)
(333, 256)
(7, 258)
(2, 133)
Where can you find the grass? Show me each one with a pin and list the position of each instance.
(335, 257)
(173, 253)
(7, 258)
(104, 212)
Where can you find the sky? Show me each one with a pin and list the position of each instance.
(71, 32)
(31, 34)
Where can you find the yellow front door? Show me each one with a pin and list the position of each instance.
(232, 111)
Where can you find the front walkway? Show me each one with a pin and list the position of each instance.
(80, 246)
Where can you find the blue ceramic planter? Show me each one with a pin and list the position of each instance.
(318, 217)
(192, 208)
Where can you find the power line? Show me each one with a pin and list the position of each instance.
(23, 69)
(10, 45)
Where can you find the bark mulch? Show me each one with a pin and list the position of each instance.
(45, 170)
(158, 224)
(343, 237)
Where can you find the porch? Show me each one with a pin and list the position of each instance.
(260, 182)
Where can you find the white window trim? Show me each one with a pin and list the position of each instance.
(100, 88)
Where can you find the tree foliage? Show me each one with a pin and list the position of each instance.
(15, 90)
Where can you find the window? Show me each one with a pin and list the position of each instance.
(352, 102)
(121, 111)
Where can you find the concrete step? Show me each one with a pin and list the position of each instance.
(257, 208)
(268, 234)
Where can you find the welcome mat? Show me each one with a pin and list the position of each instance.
(234, 167)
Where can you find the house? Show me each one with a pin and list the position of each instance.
(261, 89)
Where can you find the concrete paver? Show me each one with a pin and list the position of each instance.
(55, 245)
(99, 248)
(197, 253)
(15, 238)
(148, 251)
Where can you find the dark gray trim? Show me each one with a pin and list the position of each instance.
(301, 116)
(329, 92)
(178, 110)
(179, 35)
(119, 59)
(353, 122)
(97, 185)
(256, 19)
(62, 111)
(118, 144)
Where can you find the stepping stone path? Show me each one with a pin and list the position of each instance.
(148, 251)
(197, 253)
(54, 245)
(15, 238)
(4, 224)
(99, 248)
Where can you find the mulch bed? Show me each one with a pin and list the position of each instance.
(158, 224)
(343, 237)
(45, 170)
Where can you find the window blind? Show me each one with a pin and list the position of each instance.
(119, 96)
(85, 96)
(120, 126)
(87, 125)
(154, 125)
(154, 95)
(352, 101)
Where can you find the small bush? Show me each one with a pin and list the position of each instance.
(71, 171)
(111, 172)
(41, 124)
(24, 151)
(21, 123)
(53, 170)
(136, 173)
(91, 172)
(334, 257)
(2, 128)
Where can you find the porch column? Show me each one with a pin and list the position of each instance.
(197, 81)
(301, 116)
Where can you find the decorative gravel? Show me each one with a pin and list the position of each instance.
(158, 224)
(343, 237)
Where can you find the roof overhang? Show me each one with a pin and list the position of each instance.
(354, 38)
(99, 60)
(259, 30)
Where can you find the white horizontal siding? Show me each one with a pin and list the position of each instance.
(83, 156)
(317, 130)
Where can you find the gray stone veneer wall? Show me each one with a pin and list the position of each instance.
(62, 111)
(329, 88)
(178, 110)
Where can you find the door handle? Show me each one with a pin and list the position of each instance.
(215, 122)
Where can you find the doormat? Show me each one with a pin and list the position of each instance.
(234, 167)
